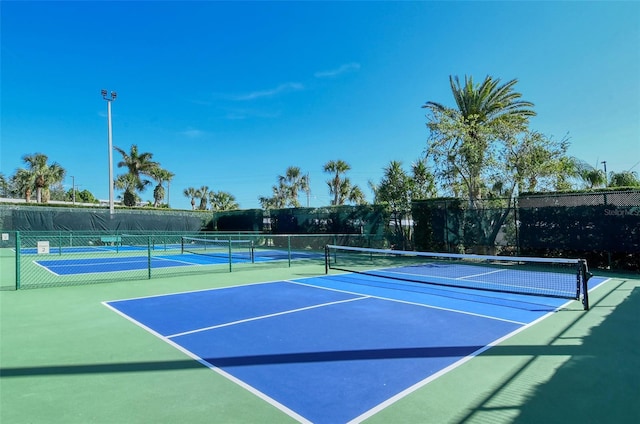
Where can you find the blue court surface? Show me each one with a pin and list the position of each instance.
(336, 348)
(116, 263)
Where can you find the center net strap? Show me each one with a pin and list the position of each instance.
(551, 277)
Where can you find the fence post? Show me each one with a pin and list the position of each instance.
(516, 212)
(18, 248)
(230, 254)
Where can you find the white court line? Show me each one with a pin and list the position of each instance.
(481, 274)
(424, 305)
(282, 407)
(291, 311)
(443, 371)
(228, 376)
(467, 358)
(175, 260)
(46, 268)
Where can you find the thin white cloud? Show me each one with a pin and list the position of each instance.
(236, 114)
(282, 88)
(192, 132)
(347, 67)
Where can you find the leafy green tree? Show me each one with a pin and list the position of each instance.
(56, 192)
(191, 193)
(84, 196)
(534, 162)
(624, 179)
(222, 201)
(340, 187)
(138, 165)
(43, 174)
(397, 189)
(460, 142)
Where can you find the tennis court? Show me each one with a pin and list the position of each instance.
(139, 263)
(70, 264)
(338, 348)
(299, 345)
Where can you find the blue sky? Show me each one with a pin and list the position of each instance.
(230, 94)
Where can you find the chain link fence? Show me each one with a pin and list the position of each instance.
(602, 227)
(51, 259)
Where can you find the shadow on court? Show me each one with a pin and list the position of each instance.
(600, 382)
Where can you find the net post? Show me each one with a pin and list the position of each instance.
(585, 275)
(326, 259)
(182, 245)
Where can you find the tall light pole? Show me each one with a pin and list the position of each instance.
(606, 178)
(109, 100)
(73, 188)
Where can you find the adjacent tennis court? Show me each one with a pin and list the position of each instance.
(341, 347)
(191, 251)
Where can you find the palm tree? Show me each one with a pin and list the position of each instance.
(128, 183)
(590, 176)
(337, 183)
(487, 101)
(485, 105)
(424, 185)
(292, 183)
(278, 200)
(222, 201)
(23, 182)
(138, 165)
(340, 187)
(160, 176)
(191, 193)
(395, 189)
(356, 195)
(203, 194)
(624, 179)
(4, 185)
(43, 174)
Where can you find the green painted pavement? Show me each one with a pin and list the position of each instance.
(66, 358)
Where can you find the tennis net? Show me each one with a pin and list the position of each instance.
(550, 277)
(227, 248)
